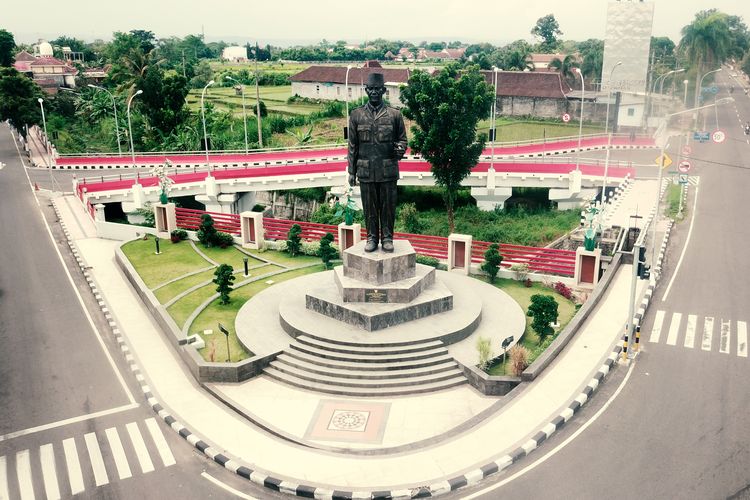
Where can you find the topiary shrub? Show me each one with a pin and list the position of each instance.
(206, 231)
(326, 251)
(294, 240)
(178, 235)
(543, 309)
(492, 260)
(223, 240)
(408, 217)
(224, 279)
(427, 260)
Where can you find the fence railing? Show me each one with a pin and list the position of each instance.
(542, 260)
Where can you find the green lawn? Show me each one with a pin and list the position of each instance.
(168, 292)
(275, 98)
(517, 290)
(216, 313)
(229, 255)
(284, 259)
(183, 308)
(674, 193)
(518, 130)
(175, 260)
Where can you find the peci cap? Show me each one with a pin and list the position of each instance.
(375, 80)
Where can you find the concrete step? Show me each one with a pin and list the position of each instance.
(367, 358)
(292, 380)
(368, 349)
(349, 364)
(372, 341)
(362, 372)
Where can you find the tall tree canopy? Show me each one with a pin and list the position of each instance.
(565, 67)
(18, 99)
(547, 30)
(446, 108)
(7, 45)
(706, 42)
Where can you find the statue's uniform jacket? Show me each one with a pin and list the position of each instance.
(377, 140)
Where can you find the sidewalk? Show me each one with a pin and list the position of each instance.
(514, 425)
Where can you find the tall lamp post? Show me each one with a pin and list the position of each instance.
(46, 138)
(699, 92)
(114, 108)
(609, 135)
(203, 117)
(609, 94)
(580, 121)
(346, 101)
(244, 110)
(493, 129)
(684, 98)
(661, 86)
(257, 99)
(130, 128)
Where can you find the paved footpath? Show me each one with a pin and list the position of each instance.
(512, 426)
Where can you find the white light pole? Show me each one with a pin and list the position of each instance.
(346, 101)
(580, 121)
(493, 129)
(244, 111)
(700, 81)
(257, 100)
(130, 128)
(114, 108)
(661, 87)
(609, 94)
(46, 139)
(684, 99)
(203, 116)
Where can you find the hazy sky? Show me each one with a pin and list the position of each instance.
(284, 21)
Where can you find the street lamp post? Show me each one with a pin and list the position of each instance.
(257, 100)
(661, 86)
(346, 101)
(244, 110)
(580, 121)
(699, 92)
(203, 117)
(46, 138)
(114, 108)
(609, 94)
(684, 99)
(493, 129)
(130, 128)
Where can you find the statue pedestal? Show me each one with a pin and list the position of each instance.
(587, 267)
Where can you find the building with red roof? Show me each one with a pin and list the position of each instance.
(48, 72)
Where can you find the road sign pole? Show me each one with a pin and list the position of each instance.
(655, 220)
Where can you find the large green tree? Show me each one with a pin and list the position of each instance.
(592, 55)
(163, 100)
(706, 42)
(446, 109)
(18, 99)
(565, 67)
(547, 30)
(7, 45)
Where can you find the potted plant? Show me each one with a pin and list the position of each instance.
(347, 208)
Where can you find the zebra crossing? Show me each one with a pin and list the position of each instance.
(66, 468)
(707, 333)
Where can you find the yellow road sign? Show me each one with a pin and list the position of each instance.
(664, 160)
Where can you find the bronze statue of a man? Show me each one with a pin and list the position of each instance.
(377, 141)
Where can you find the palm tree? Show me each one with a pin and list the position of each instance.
(518, 61)
(592, 65)
(565, 68)
(706, 41)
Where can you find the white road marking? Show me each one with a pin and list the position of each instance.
(4, 495)
(140, 447)
(74, 466)
(690, 331)
(49, 471)
(725, 339)
(708, 331)
(226, 487)
(67, 421)
(674, 329)
(161, 444)
(742, 339)
(684, 248)
(656, 329)
(23, 469)
(97, 462)
(121, 461)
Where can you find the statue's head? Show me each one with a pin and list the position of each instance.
(375, 88)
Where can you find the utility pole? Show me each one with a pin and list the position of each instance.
(257, 99)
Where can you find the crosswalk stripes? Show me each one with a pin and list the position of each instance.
(25, 463)
(694, 180)
(692, 329)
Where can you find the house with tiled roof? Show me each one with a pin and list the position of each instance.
(48, 72)
(23, 62)
(328, 83)
(542, 61)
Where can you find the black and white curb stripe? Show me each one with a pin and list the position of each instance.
(655, 275)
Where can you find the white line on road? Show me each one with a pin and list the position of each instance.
(140, 447)
(674, 329)
(690, 331)
(742, 339)
(161, 444)
(656, 329)
(4, 495)
(725, 337)
(23, 469)
(118, 453)
(95, 456)
(74, 466)
(226, 487)
(67, 421)
(708, 332)
(684, 248)
(49, 471)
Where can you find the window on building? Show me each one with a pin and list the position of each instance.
(317, 89)
(631, 111)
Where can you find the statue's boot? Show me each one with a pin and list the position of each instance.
(372, 245)
(387, 245)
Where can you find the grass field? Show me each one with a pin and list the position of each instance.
(174, 261)
(274, 97)
(674, 193)
(265, 66)
(519, 130)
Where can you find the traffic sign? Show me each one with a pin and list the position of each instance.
(718, 136)
(684, 167)
(683, 179)
(566, 117)
(663, 161)
(687, 150)
(701, 136)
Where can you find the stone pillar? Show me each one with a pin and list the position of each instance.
(490, 198)
(165, 219)
(139, 197)
(459, 252)
(567, 199)
(251, 230)
(221, 203)
(99, 212)
(349, 235)
(587, 267)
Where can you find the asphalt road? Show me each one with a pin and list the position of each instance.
(679, 427)
(71, 416)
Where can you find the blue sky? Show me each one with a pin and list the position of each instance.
(287, 21)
